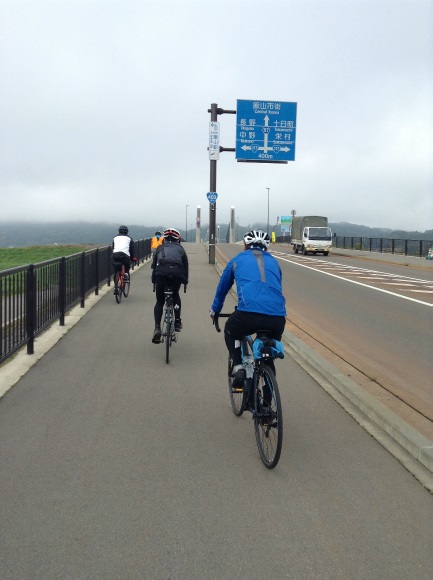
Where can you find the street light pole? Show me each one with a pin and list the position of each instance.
(267, 227)
(186, 223)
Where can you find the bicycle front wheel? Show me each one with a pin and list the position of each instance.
(236, 395)
(268, 418)
(117, 287)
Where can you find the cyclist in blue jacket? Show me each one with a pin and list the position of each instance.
(261, 304)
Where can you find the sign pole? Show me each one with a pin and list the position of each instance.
(212, 206)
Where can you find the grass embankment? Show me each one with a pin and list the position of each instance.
(14, 257)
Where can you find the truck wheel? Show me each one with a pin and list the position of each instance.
(325, 253)
(295, 248)
(304, 251)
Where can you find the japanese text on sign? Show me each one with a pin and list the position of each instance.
(214, 140)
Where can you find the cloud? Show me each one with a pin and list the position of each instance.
(105, 106)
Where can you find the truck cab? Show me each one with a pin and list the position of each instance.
(315, 240)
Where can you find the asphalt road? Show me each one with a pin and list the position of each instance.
(117, 465)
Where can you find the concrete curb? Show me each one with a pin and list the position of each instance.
(413, 450)
(16, 367)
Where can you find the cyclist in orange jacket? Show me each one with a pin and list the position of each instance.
(156, 242)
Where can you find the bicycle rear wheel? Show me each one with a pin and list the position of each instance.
(126, 284)
(268, 418)
(117, 287)
(169, 332)
(236, 395)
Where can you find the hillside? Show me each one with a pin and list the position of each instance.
(20, 234)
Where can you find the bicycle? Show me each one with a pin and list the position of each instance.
(168, 331)
(260, 394)
(121, 284)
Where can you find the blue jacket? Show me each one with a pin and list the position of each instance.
(258, 283)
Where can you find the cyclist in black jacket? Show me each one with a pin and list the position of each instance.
(169, 268)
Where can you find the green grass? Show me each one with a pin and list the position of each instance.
(14, 257)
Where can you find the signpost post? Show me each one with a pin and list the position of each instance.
(214, 150)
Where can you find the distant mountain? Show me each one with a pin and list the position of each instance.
(347, 229)
(19, 234)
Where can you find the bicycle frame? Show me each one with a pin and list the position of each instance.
(168, 335)
(252, 381)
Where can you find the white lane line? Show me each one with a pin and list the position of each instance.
(355, 282)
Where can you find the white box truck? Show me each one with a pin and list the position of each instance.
(311, 233)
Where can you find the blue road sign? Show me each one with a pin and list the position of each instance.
(212, 196)
(265, 131)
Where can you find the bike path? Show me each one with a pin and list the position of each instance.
(117, 465)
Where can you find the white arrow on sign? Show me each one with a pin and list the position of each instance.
(275, 148)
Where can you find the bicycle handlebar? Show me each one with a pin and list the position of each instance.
(215, 320)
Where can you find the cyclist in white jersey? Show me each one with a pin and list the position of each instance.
(123, 250)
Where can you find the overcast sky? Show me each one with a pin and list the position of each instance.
(104, 109)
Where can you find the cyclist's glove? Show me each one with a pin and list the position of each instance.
(212, 315)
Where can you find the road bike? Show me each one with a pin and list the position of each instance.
(168, 330)
(121, 284)
(260, 394)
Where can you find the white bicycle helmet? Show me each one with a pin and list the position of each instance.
(257, 238)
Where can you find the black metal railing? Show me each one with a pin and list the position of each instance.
(34, 296)
(384, 245)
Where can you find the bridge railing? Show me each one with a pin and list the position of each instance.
(36, 295)
(384, 245)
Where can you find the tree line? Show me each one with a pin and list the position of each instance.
(20, 234)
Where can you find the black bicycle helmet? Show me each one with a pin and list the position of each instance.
(123, 230)
(257, 238)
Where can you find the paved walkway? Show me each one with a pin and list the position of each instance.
(403, 441)
(116, 465)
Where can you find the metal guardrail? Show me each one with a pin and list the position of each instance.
(34, 296)
(383, 245)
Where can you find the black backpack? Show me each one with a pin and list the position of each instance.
(169, 260)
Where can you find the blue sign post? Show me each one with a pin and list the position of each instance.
(265, 131)
(212, 196)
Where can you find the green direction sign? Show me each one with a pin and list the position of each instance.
(286, 223)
